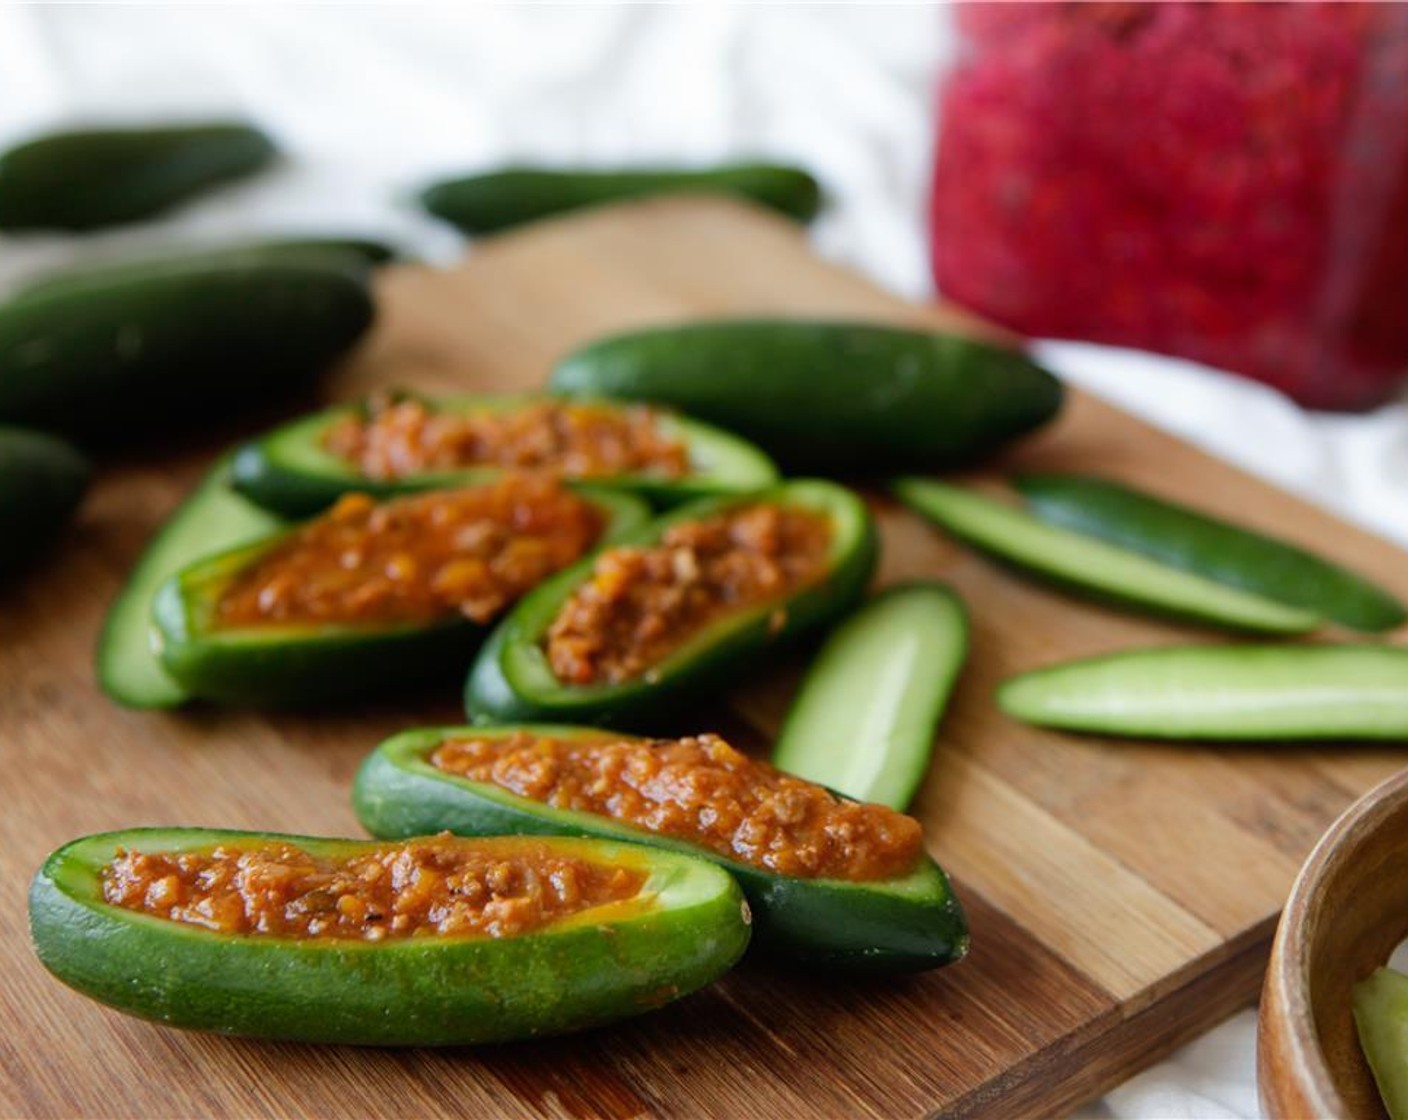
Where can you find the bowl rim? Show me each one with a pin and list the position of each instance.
(1287, 1038)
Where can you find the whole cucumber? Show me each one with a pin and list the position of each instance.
(42, 480)
(351, 250)
(108, 360)
(89, 178)
(502, 199)
(824, 397)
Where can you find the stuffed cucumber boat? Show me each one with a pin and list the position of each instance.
(832, 883)
(395, 443)
(373, 597)
(694, 600)
(432, 941)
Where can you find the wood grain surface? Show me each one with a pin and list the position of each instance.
(1122, 896)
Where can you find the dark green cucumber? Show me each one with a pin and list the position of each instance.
(1381, 1021)
(687, 928)
(863, 722)
(304, 665)
(903, 924)
(291, 471)
(1093, 567)
(1208, 546)
(827, 396)
(337, 252)
(212, 519)
(502, 199)
(512, 682)
(107, 176)
(115, 359)
(1222, 692)
(42, 481)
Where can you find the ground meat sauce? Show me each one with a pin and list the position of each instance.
(640, 604)
(394, 438)
(438, 886)
(701, 790)
(419, 558)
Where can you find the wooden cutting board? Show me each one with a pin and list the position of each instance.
(1122, 896)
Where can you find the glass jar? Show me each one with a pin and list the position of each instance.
(1225, 182)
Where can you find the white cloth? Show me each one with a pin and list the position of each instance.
(371, 102)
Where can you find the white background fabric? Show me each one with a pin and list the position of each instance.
(372, 101)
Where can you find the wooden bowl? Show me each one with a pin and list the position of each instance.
(1347, 911)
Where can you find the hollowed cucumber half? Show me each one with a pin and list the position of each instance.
(908, 923)
(686, 927)
(512, 680)
(298, 665)
(292, 471)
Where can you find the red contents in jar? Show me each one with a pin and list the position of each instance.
(1222, 182)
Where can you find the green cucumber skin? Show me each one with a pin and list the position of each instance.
(827, 397)
(1249, 693)
(119, 359)
(287, 472)
(817, 744)
(90, 178)
(212, 519)
(906, 925)
(312, 670)
(1381, 1020)
(309, 668)
(511, 682)
(1196, 542)
(414, 992)
(42, 483)
(337, 252)
(500, 200)
(1044, 551)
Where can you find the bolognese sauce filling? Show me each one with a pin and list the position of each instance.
(642, 603)
(698, 789)
(437, 886)
(395, 437)
(416, 559)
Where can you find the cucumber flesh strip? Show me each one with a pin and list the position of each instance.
(1196, 542)
(1093, 566)
(1381, 1017)
(212, 519)
(864, 721)
(1222, 692)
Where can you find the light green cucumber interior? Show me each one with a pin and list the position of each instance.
(1233, 692)
(863, 722)
(1092, 565)
(212, 519)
